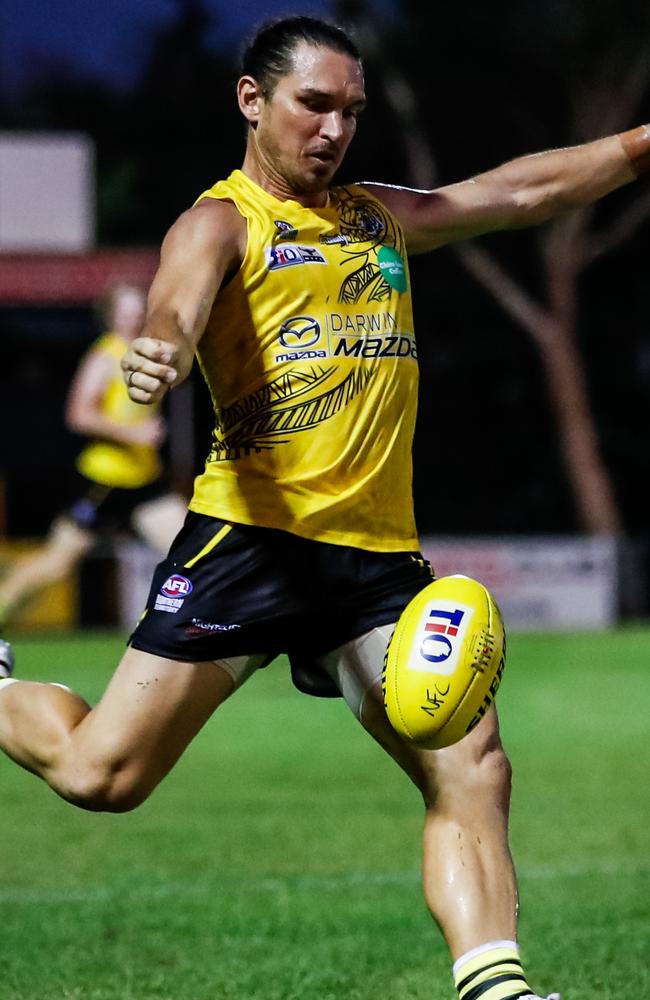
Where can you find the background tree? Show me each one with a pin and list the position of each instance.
(484, 84)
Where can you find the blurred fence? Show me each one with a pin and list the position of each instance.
(540, 583)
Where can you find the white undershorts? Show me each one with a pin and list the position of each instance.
(354, 667)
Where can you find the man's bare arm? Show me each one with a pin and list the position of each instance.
(523, 192)
(202, 247)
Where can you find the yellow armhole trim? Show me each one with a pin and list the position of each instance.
(221, 533)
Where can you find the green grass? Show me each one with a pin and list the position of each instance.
(279, 861)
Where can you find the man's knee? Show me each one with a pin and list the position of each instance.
(103, 787)
(477, 766)
(475, 770)
(494, 773)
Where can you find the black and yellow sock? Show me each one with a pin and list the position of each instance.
(491, 972)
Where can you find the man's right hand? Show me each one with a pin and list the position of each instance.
(148, 369)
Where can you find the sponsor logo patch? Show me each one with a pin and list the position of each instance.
(170, 604)
(299, 331)
(290, 255)
(334, 239)
(299, 335)
(172, 594)
(359, 335)
(177, 586)
(285, 230)
(439, 638)
(392, 268)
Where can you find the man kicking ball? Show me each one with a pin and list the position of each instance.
(295, 295)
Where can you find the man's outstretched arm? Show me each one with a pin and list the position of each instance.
(202, 247)
(522, 192)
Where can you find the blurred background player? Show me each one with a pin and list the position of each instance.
(119, 480)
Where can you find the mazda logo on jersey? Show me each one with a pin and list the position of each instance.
(299, 331)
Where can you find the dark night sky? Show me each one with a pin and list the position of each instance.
(107, 38)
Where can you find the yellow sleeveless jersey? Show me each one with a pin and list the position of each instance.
(124, 466)
(310, 357)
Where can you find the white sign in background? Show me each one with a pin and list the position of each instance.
(538, 583)
(47, 192)
(135, 565)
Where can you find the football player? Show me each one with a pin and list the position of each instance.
(300, 537)
(118, 479)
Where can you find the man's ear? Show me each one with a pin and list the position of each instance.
(250, 98)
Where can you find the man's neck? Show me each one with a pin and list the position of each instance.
(273, 183)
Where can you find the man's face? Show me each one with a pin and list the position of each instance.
(129, 311)
(306, 125)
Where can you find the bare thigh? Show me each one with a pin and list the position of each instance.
(151, 710)
(357, 668)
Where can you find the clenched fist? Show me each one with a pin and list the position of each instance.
(148, 368)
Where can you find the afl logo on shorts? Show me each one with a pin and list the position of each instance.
(176, 586)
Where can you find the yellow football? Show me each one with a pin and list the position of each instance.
(444, 663)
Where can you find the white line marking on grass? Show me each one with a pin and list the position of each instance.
(289, 883)
(608, 868)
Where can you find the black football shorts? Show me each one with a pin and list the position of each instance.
(231, 589)
(102, 509)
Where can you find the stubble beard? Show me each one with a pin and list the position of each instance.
(310, 181)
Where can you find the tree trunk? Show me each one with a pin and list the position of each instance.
(590, 482)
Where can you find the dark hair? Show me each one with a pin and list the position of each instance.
(269, 55)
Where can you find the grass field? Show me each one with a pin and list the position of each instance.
(279, 861)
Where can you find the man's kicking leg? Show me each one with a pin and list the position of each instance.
(468, 873)
(112, 756)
